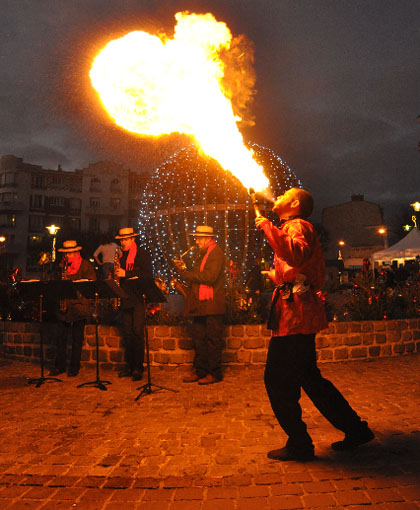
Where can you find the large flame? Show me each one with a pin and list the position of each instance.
(154, 85)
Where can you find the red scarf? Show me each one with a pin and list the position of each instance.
(205, 292)
(132, 252)
(74, 265)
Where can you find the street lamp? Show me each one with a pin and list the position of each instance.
(416, 207)
(53, 229)
(383, 232)
(340, 262)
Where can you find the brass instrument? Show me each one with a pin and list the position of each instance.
(180, 262)
(161, 285)
(174, 283)
(177, 285)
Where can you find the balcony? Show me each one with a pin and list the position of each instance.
(11, 206)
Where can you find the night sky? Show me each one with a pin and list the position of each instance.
(337, 91)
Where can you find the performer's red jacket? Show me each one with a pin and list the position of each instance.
(298, 257)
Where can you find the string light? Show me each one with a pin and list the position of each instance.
(191, 189)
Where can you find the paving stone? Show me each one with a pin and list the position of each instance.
(204, 448)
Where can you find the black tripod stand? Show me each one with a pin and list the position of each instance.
(150, 293)
(98, 289)
(37, 290)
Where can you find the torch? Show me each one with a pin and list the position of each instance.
(255, 203)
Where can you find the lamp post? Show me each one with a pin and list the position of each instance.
(340, 243)
(383, 232)
(52, 229)
(416, 208)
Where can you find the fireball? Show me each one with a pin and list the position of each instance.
(155, 85)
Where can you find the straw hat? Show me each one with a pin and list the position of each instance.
(125, 233)
(70, 246)
(203, 231)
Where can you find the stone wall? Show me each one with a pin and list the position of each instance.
(245, 344)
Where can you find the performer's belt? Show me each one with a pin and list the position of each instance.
(286, 291)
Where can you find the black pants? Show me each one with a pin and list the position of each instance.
(77, 329)
(291, 365)
(207, 331)
(133, 336)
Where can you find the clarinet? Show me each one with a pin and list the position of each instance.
(116, 301)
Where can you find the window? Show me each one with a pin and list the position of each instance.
(36, 223)
(75, 204)
(56, 179)
(114, 226)
(115, 185)
(56, 201)
(134, 203)
(8, 179)
(74, 223)
(94, 225)
(34, 240)
(94, 203)
(115, 203)
(37, 202)
(95, 184)
(38, 181)
(8, 197)
(7, 220)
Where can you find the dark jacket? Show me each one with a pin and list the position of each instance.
(82, 307)
(213, 275)
(143, 270)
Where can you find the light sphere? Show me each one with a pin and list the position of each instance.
(191, 189)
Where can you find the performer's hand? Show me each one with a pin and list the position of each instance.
(120, 272)
(259, 220)
(179, 265)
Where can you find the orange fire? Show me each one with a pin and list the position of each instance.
(155, 85)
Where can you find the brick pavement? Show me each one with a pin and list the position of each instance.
(204, 448)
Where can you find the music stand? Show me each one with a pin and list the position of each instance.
(38, 290)
(147, 289)
(104, 289)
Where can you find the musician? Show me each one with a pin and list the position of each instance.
(73, 313)
(104, 256)
(205, 303)
(133, 261)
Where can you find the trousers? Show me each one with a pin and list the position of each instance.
(292, 366)
(77, 329)
(207, 334)
(133, 336)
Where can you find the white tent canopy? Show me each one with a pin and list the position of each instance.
(407, 248)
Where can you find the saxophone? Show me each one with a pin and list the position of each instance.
(174, 282)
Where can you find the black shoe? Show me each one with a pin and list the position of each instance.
(73, 372)
(289, 454)
(125, 372)
(56, 371)
(137, 375)
(352, 441)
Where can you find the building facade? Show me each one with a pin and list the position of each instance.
(98, 199)
(354, 231)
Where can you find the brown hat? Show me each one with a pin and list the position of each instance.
(126, 232)
(203, 231)
(70, 246)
